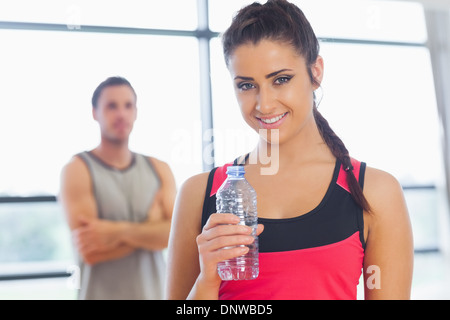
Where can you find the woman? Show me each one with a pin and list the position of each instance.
(318, 230)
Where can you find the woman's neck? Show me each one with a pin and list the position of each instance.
(305, 147)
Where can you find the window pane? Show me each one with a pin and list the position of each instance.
(32, 232)
(38, 289)
(167, 14)
(380, 100)
(221, 12)
(424, 207)
(48, 79)
(350, 19)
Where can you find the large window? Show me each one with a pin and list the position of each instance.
(377, 94)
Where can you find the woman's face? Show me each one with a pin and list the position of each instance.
(273, 88)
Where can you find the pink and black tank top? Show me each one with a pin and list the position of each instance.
(315, 256)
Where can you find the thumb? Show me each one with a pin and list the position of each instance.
(259, 229)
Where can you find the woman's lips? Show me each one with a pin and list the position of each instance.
(272, 122)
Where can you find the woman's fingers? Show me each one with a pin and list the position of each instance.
(259, 229)
(222, 242)
(222, 230)
(228, 253)
(226, 230)
(223, 238)
(216, 219)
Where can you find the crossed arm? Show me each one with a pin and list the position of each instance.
(99, 240)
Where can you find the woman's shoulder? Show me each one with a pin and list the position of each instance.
(377, 180)
(189, 200)
(196, 181)
(382, 190)
(194, 187)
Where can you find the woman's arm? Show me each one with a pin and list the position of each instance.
(389, 255)
(183, 260)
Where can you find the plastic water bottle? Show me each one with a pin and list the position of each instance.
(237, 196)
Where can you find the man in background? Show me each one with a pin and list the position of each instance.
(118, 205)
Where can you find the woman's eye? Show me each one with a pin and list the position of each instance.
(281, 80)
(245, 86)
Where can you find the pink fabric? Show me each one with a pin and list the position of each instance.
(342, 178)
(329, 272)
(219, 177)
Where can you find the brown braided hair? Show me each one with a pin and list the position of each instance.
(282, 21)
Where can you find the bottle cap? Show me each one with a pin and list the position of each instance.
(235, 170)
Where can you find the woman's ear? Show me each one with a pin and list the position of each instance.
(317, 72)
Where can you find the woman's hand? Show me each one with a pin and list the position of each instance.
(220, 240)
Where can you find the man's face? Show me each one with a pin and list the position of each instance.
(116, 112)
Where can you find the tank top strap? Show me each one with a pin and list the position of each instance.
(215, 179)
(358, 171)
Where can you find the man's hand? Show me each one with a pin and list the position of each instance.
(95, 235)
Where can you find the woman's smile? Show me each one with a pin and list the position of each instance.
(271, 122)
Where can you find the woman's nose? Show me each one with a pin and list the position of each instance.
(265, 103)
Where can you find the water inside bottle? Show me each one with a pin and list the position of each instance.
(245, 267)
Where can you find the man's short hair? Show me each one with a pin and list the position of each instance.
(109, 82)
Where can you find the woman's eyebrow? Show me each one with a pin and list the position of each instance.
(244, 78)
(270, 75)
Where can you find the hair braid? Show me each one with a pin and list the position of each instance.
(339, 150)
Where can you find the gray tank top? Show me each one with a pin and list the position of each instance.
(123, 195)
